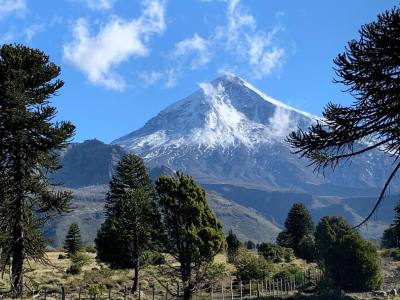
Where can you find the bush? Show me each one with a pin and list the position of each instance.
(78, 261)
(351, 263)
(395, 254)
(90, 248)
(250, 266)
(275, 253)
(74, 269)
(289, 272)
(61, 256)
(152, 258)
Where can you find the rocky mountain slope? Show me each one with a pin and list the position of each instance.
(230, 137)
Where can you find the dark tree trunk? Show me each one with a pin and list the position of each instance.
(186, 272)
(17, 262)
(135, 285)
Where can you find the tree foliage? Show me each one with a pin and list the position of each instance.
(28, 140)
(73, 243)
(275, 253)
(298, 224)
(233, 245)
(391, 236)
(131, 217)
(193, 234)
(250, 266)
(369, 68)
(351, 263)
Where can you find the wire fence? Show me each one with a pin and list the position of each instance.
(226, 289)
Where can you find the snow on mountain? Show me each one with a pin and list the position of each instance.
(230, 132)
(225, 113)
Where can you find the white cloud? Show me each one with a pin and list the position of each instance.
(197, 46)
(32, 30)
(151, 77)
(281, 123)
(8, 7)
(100, 4)
(98, 55)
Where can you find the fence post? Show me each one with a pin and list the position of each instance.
(241, 290)
(45, 294)
(79, 293)
(250, 287)
(109, 293)
(212, 291)
(222, 290)
(166, 292)
(231, 291)
(177, 291)
(62, 293)
(140, 288)
(258, 289)
(125, 293)
(154, 292)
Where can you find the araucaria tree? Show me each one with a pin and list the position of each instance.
(233, 245)
(28, 140)
(193, 234)
(298, 225)
(391, 236)
(369, 67)
(131, 217)
(73, 243)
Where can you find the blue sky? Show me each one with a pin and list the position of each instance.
(125, 60)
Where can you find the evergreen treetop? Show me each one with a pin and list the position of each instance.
(73, 243)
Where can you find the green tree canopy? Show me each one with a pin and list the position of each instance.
(351, 263)
(193, 234)
(298, 224)
(233, 245)
(369, 67)
(29, 137)
(73, 243)
(132, 218)
(391, 236)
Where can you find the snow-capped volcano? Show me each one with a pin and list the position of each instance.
(228, 112)
(230, 132)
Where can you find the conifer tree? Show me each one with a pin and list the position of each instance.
(233, 245)
(29, 137)
(391, 236)
(369, 67)
(131, 217)
(73, 243)
(298, 224)
(193, 235)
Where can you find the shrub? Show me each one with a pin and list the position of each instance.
(152, 258)
(78, 261)
(61, 256)
(275, 253)
(395, 254)
(250, 266)
(351, 263)
(289, 272)
(90, 248)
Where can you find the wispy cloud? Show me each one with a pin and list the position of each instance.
(98, 55)
(197, 47)
(239, 38)
(8, 7)
(150, 78)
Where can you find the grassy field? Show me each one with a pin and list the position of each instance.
(96, 278)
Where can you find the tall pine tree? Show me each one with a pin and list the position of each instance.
(131, 217)
(73, 243)
(233, 245)
(298, 224)
(28, 137)
(193, 234)
(391, 236)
